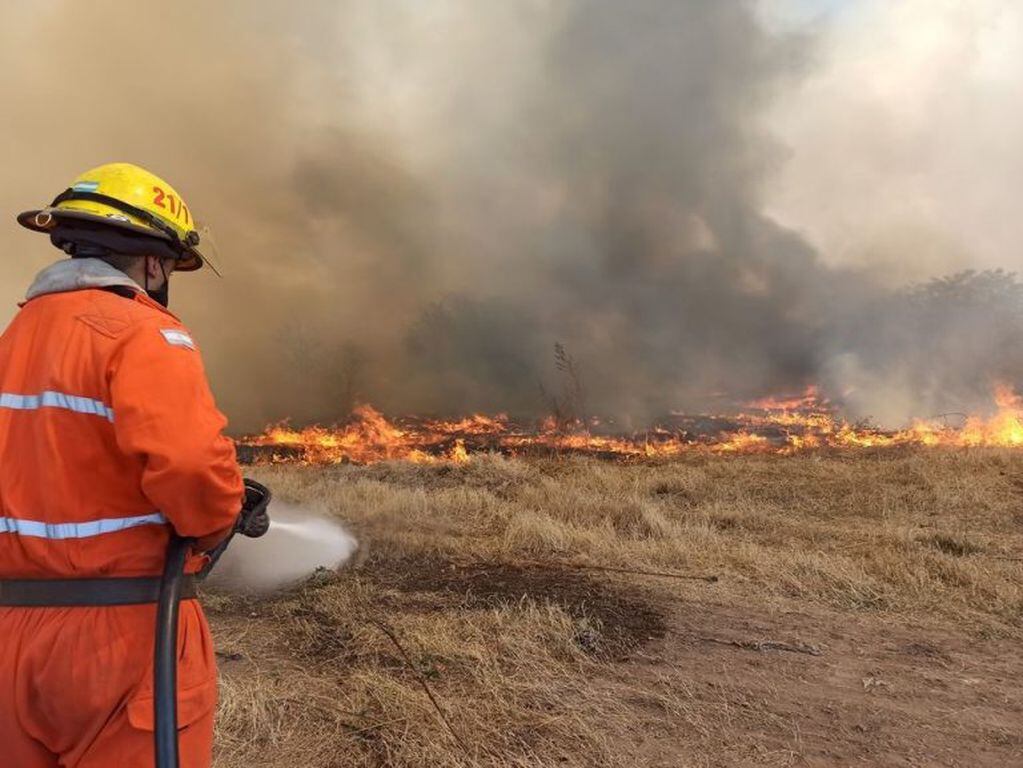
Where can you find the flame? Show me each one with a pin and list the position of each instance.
(743, 442)
(477, 424)
(810, 398)
(783, 425)
(1004, 429)
(458, 453)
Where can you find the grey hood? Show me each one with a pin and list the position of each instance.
(76, 275)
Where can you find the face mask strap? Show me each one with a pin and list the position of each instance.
(160, 295)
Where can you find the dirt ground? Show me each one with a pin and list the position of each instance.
(877, 694)
(851, 610)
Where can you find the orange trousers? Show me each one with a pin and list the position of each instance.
(76, 687)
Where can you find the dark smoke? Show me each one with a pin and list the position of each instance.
(417, 206)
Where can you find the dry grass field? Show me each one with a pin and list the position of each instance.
(868, 611)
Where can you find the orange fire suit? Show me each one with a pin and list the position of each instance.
(109, 438)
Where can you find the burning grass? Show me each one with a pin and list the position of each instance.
(479, 571)
(781, 426)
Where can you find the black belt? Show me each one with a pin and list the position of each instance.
(85, 592)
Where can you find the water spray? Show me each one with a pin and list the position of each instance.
(299, 543)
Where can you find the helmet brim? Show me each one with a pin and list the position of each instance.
(44, 219)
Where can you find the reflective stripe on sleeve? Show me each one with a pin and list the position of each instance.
(40, 530)
(52, 399)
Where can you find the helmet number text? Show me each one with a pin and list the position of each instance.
(169, 202)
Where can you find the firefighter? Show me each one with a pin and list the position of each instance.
(109, 441)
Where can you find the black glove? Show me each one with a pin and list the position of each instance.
(254, 520)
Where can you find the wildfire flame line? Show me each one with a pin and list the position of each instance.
(768, 426)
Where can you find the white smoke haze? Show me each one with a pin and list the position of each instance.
(903, 162)
(298, 543)
(417, 201)
(903, 137)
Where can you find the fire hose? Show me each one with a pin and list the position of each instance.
(253, 522)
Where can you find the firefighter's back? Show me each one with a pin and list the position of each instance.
(69, 495)
(75, 682)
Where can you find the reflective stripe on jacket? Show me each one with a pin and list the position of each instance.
(108, 432)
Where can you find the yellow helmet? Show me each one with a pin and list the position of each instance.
(132, 201)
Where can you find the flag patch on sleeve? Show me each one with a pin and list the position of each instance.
(177, 338)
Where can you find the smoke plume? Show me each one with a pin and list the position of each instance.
(419, 203)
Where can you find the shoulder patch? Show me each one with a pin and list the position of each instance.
(106, 318)
(177, 338)
(111, 327)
